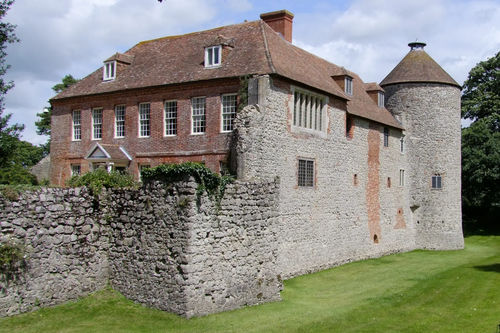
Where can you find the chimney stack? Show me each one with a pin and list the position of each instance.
(281, 22)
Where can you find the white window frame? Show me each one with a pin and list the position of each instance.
(77, 125)
(401, 177)
(170, 118)
(198, 115)
(213, 56)
(120, 114)
(306, 172)
(436, 182)
(97, 120)
(144, 120)
(309, 112)
(229, 106)
(348, 85)
(381, 99)
(76, 169)
(109, 70)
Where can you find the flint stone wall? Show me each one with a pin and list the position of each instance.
(165, 247)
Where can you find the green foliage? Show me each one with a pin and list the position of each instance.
(9, 192)
(99, 178)
(243, 92)
(15, 166)
(12, 261)
(214, 184)
(415, 292)
(481, 146)
(67, 81)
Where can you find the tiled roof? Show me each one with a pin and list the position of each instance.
(373, 86)
(418, 66)
(254, 48)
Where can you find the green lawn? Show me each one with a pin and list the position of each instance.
(420, 291)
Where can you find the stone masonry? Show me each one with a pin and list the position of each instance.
(165, 247)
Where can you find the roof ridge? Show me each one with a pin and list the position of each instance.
(266, 47)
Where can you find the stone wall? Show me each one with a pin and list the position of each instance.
(165, 247)
(336, 220)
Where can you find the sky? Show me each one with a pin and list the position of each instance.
(368, 37)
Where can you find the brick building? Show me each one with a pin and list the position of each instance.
(357, 179)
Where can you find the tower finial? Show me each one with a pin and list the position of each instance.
(417, 45)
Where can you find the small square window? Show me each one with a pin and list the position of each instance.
(109, 71)
(76, 169)
(436, 182)
(305, 173)
(348, 85)
(212, 56)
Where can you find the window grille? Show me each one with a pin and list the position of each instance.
(76, 169)
(229, 107)
(77, 125)
(401, 177)
(144, 120)
(386, 137)
(306, 173)
(436, 182)
(120, 121)
(198, 107)
(308, 111)
(97, 123)
(171, 118)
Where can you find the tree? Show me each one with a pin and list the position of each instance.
(481, 146)
(43, 125)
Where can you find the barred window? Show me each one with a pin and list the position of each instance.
(77, 125)
(305, 173)
(436, 182)
(198, 107)
(386, 137)
(229, 106)
(401, 177)
(144, 120)
(308, 110)
(76, 169)
(97, 123)
(170, 118)
(120, 121)
(402, 144)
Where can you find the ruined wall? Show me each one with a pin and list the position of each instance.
(336, 220)
(66, 245)
(431, 115)
(165, 247)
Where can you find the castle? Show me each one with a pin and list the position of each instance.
(360, 169)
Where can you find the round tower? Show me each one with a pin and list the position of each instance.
(426, 100)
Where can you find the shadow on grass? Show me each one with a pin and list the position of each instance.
(489, 268)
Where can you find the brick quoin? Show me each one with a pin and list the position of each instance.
(209, 148)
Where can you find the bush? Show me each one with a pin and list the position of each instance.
(100, 178)
(12, 261)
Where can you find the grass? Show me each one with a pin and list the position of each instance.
(420, 291)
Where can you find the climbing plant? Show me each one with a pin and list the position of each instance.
(208, 181)
(99, 178)
(12, 261)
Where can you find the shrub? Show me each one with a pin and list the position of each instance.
(12, 261)
(100, 178)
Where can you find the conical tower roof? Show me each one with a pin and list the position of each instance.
(416, 67)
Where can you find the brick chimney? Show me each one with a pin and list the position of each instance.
(281, 22)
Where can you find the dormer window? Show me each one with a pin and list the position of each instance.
(109, 71)
(348, 85)
(381, 99)
(212, 56)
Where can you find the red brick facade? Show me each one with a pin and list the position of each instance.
(210, 148)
